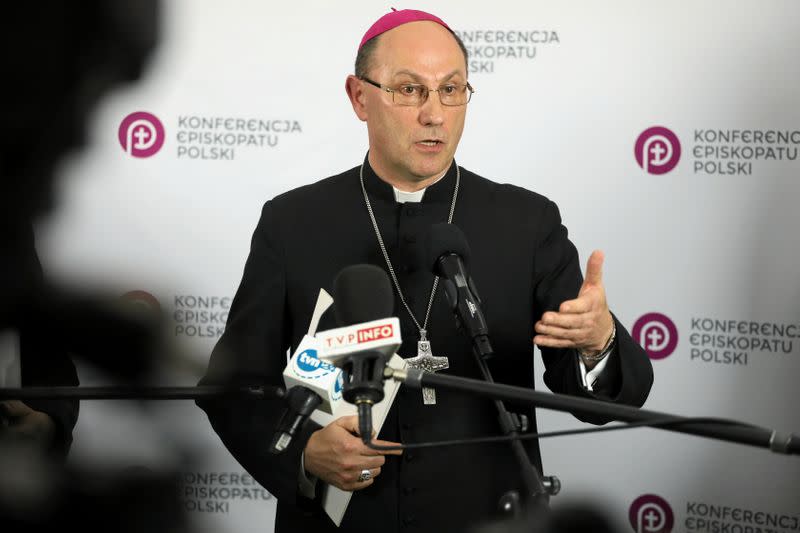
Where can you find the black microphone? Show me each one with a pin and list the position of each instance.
(363, 293)
(448, 254)
(301, 403)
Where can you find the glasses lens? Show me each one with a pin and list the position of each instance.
(410, 94)
(454, 94)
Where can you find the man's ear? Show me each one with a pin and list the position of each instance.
(355, 91)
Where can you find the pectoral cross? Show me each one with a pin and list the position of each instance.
(426, 361)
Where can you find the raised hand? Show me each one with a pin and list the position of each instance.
(585, 323)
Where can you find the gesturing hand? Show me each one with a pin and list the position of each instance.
(584, 323)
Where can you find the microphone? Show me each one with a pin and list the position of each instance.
(311, 382)
(302, 402)
(448, 254)
(363, 345)
(360, 348)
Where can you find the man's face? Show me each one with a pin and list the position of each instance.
(411, 144)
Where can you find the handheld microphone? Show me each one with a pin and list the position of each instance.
(312, 384)
(302, 401)
(448, 254)
(363, 345)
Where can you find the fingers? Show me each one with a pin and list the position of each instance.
(553, 342)
(358, 463)
(353, 481)
(350, 423)
(563, 320)
(582, 304)
(582, 331)
(566, 330)
(14, 408)
(366, 451)
(594, 269)
(386, 443)
(573, 328)
(566, 337)
(338, 456)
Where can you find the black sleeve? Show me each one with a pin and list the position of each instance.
(628, 376)
(252, 351)
(45, 363)
(44, 360)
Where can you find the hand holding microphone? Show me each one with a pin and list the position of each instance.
(335, 453)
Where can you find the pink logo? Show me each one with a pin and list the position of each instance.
(657, 150)
(651, 514)
(141, 134)
(657, 334)
(146, 301)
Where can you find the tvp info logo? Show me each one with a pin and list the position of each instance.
(657, 334)
(657, 150)
(650, 513)
(141, 134)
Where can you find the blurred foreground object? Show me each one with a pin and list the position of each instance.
(59, 59)
(39, 496)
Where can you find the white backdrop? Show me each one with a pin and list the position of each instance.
(561, 118)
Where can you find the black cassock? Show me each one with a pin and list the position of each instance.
(523, 265)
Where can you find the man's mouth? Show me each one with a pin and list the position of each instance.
(430, 142)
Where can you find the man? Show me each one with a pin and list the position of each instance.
(411, 89)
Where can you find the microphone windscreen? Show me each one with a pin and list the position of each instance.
(362, 293)
(443, 239)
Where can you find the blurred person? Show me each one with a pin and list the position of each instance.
(32, 356)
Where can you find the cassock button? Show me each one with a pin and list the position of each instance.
(408, 520)
(408, 491)
(409, 456)
(405, 425)
(410, 238)
(411, 211)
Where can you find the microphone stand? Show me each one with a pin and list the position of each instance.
(536, 493)
(778, 442)
(133, 392)
(465, 304)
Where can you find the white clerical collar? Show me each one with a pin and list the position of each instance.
(416, 196)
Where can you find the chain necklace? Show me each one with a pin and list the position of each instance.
(425, 359)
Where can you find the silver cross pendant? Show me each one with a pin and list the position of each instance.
(426, 361)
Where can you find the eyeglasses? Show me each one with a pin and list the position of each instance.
(415, 94)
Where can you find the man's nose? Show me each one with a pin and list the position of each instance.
(431, 112)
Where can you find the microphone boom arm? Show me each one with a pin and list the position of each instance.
(778, 442)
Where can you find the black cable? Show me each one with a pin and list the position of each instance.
(662, 422)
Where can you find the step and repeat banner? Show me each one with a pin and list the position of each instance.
(667, 132)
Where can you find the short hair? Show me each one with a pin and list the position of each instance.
(368, 48)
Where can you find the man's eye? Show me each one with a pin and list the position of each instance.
(449, 89)
(410, 90)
